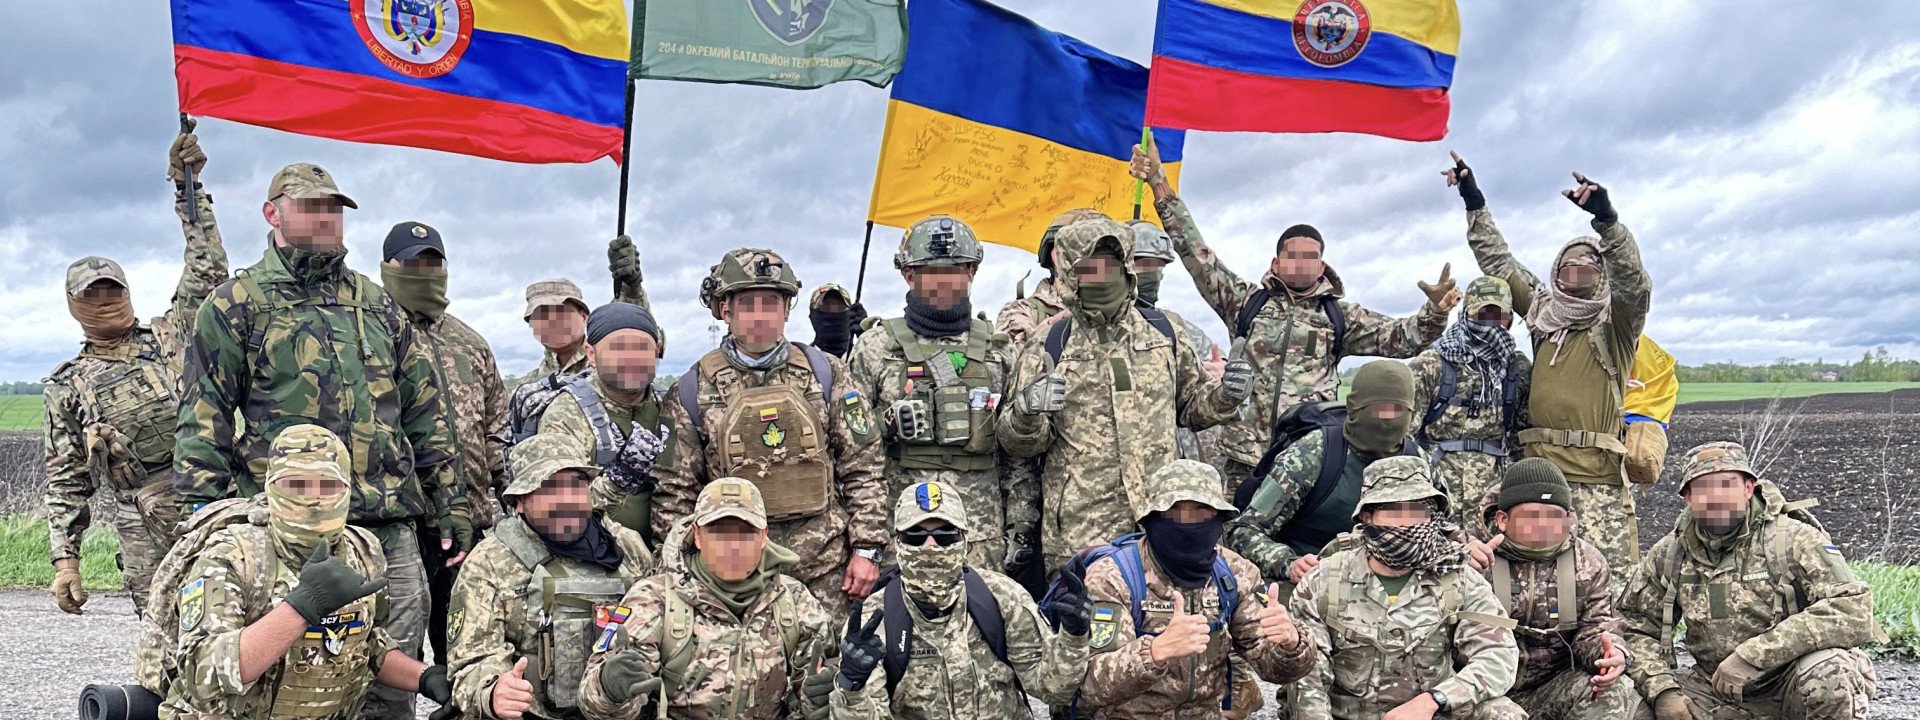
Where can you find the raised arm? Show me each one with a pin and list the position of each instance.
(1483, 237)
(1223, 289)
(205, 261)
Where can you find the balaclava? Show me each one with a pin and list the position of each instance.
(1379, 382)
(299, 524)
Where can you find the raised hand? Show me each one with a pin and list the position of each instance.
(185, 157)
(1146, 165)
(1591, 197)
(1185, 635)
(860, 651)
(1444, 294)
(1071, 607)
(1276, 626)
(512, 694)
(1461, 178)
(328, 583)
(1480, 554)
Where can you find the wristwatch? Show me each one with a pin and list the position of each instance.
(871, 554)
(1439, 698)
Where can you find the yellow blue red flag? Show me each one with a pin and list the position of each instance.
(524, 80)
(1005, 124)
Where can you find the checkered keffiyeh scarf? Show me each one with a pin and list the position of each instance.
(1427, 546)
(1556, 313)
(1487, 348)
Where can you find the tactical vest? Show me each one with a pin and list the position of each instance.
(128, 410)
(771, 436)
(328, 669)
(676, 641)
(938, 424)
(576, 601)
(530, 401)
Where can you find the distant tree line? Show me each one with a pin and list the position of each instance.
(1875, 366)
(22, 388)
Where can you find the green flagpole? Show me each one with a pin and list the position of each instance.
(1140, 186)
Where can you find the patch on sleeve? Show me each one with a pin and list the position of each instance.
(454, 622)
(856, 413)
(611, 619)
(1103, 631)
(193, 604)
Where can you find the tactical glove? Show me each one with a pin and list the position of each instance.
(456, 526)
(1046, 395)
(435, 686)
(1468, 184)
(69, 592)
(1020, 550)
(185, 154)
(860, 651)
(817, 690)
(1733, 676)
(632, 468)
(1238, 378)
(1591, 197)
(327, 583)
(623, 262)
(624, 677)
(1071, 608)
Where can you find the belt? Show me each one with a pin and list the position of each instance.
(1574, 438)
(1495, 448)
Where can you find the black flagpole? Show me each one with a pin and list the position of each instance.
(626, 159)
(860, 286)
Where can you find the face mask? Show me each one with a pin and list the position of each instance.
(1529, 553)
(1375, 437)
(1105, 299)
(1412, 547)
(422, 290)
(931, 573)
(1146, 286)
(102, 321)
(300, 523)
(1184, 550)
(929, 321)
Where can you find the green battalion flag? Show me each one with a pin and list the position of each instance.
(800, 44)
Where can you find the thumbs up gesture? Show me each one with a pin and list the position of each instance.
(512, 694)
(1185, 635)
(1237, 374)
(1276, 626)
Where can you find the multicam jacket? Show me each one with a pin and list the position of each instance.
(476, 407)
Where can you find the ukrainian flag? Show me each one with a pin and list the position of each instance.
(1005, 124)
(523, 80)
(1381, 67)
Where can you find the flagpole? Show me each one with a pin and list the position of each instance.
(626, 159)
(1140, 186)
(860, 285)
(187, 178)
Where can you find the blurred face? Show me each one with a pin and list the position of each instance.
(315, 225)
(1149, 265)
(756, 319)
(943, 287)
(1535, 525)
(560, 509)
(1397, 515)
(559, 327)
(312, 486)
(1098, 269)
(1188, 512)
(1299, 264)
(625, 360)
(1494, 315)
(1719, 500)
(1386, 412)
(103, 291)
(730, 547)
(1578, 273)
(426, 260)
(833, 304)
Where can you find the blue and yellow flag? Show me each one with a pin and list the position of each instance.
(1005, 124)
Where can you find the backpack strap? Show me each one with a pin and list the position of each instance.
(1333, 462)
(1229, 589)
(984, 609)
(1159, 321)
(1566, 585)
(1126, 557)
(604, 434)
(1510, 398)
(1243, 322)
(1503, 582)
(1442, 397)
(898, 626)
(1057, 338)
(821, 367)
(676, 643)
(1337, 317)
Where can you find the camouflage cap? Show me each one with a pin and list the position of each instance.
(558, 291)
(730, 497)
(820, 296)
(308, 451)
(1398, 479)
(1488, 290)
(88, 270)
(938, 240)
(1149, 241)
(743, 269)
(536, 460)
(928, 500)
(1078, 241)
(306, 181)
(1185, 480)
(1715, 457)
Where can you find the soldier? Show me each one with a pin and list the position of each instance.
(788, 417)
(972, 642)
(614, 412)
(414, 272)
(1305, 500)
(836, 319)
(288, 616)
(110, 411)
(937, 374)
(1585, 326)
(723, 631)
(1471, 390)
(1019, 318)
(557, 312)
(1775, 617)
(1295, 321)
(1458, 655)
(1101, 393)
(1175, 614)
(535, 594)
(1152, 253)
(300, 335)
(1557, 589)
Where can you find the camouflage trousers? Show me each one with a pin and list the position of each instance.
(1468, 476)
(140, 552)
(406, 614)
(1825, 685)
(1608, 520)
(834, 600)
(1569, 696)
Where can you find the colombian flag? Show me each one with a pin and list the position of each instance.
(1380, 67)
(535, 81)
(1004, 124)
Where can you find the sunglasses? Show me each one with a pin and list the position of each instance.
(942, 536)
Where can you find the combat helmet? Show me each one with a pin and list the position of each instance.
(941, 240)
(747, 269)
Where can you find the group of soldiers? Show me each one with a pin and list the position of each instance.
(932, 516)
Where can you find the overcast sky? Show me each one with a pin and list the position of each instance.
(1767, 154)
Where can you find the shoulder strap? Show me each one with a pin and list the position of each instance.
(1442, 396)
(984, 608)
(898, 626)
(581, 388)
(822, 369)
(1510, 397)
(905, 339)
(1333, 462)
(687, 388)
(676, 641)
(1503, 582)
(255, 296)
(1565, 579)
(1159, 321)
(1132, 572)
(1243, 323)
(1337, 317)
(1229, 588)
(1057, 337)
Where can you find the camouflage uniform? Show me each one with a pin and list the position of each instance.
(1576, 398)
(110, 414)
(1446, 631)
(236, 579)
(1122, 678)
(1782, 599)
(957, 448)
(714, 664)
(952, 674)
(1291, 338)
(300, 337)
(1021, 318)
(565, 417)
(510, 588)
(1556, 659)
(1128, 387)
(836, 432)
(1469, 439)
(1255, 534)
(476, 404)
(1152, 242)
(556, 291)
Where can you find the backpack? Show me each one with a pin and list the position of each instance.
(1058, 334)
(1125, 552)
(1336, 316)
(1446, 394)
(982, 608)
(530, 402)
(1298, 422)
(688, 387)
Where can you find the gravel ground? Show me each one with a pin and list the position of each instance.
(97, 647)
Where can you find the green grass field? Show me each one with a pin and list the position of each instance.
(1710, 392)
(20, 412)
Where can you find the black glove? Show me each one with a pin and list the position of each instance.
(1020, 548)
(623, 263)
(457, 527)
(860, 652)
(1591, 197)
(857, 316)
(1468, 184)
(434, 686)
(327, 583)
(1071, 608)
(625, 677)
